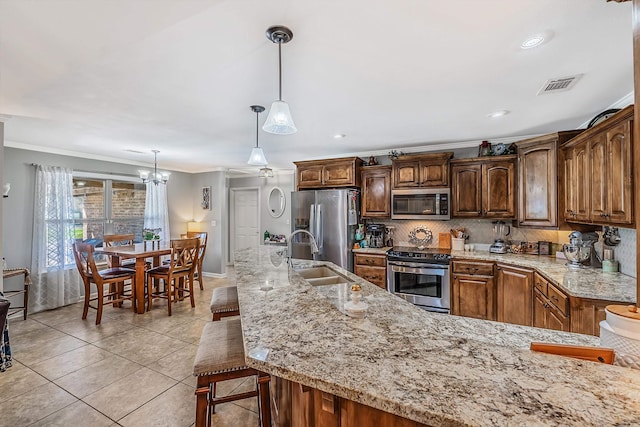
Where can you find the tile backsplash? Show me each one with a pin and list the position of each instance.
(480, 232)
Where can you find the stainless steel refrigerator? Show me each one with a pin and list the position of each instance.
(332, 217)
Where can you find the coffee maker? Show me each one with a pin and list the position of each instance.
(376, 235)
(500, 232)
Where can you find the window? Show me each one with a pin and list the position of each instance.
(107, 206)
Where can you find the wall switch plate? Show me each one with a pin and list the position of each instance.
(287, 221)
(213, 223)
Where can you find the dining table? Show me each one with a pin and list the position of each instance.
(140, 251)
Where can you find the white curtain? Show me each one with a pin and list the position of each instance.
(56, 281)
(156, 209)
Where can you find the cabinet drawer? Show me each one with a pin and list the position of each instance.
(478, 268)
(370, 260)
(375, 275)
(540, 283)
(558, 299)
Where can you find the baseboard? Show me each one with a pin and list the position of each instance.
(215, 275)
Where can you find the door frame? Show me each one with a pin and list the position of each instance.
(232, 217)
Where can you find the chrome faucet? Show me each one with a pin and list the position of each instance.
(314, 245)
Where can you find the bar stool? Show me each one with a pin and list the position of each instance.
(220, 357)
(224, 302)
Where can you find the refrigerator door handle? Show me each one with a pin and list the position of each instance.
(319, 228)
(312, 219)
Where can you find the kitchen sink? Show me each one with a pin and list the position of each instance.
(322, 275)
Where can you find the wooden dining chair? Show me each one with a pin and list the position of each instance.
(202, 235)
(115, 278)
(177, 276)
(120, 240)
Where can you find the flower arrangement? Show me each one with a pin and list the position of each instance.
(151, 233)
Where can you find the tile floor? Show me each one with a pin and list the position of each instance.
(131, 370)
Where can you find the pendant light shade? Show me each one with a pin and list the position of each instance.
(257, 157)
(279, 121)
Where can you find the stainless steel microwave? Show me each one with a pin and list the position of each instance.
(421, 203)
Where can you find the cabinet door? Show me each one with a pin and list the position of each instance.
(466, 190)
(556, 320)
(598, 177)
(568, 183)
(406, 174)
(473, 296)
(537, 168)
(499, 189)
(581, 182)
(514, 295)
(586, 315)
(539, 310)
(339, 174)
(620, 174)
(376, 192)
(309, 176)
(434, 173)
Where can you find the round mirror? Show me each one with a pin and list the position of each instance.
(276, 202)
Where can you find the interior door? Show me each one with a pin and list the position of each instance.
(246, 232)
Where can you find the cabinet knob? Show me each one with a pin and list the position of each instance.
(553, 297)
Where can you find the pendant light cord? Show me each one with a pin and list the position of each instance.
(257, 126)
(279, 69)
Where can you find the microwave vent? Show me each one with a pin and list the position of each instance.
(562, 84)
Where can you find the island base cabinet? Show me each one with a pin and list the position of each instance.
(305, 406)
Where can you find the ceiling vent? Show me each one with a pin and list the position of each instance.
(559, 85)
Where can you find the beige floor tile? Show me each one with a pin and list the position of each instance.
(18, 326)
(62, 314)
(249, 384)
(18, 380)
(230, 415)
(97, 376)
(141, 345)
(175, 407)
(78, 413)
(127, 394)
(177, 365)
(190, 331)
(30, 407)
(88, 331)
(40, 345)
(157, 320)
(70, 361)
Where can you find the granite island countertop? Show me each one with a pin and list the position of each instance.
(587, 282)
(433, 368)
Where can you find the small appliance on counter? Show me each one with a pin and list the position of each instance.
(576, 251)
(500, 232)
(376, 235)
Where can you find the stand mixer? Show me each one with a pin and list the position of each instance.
(577, 251)
(500, 232)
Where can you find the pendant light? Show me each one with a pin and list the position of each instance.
(156, 178)
(257, 157)
(279, 120)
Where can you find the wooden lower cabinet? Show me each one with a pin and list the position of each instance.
(307, 406)
(587, 314)
(514, 294)
(545, 315)
(473, 290)
(371, 267)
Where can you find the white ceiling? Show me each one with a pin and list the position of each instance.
(103, 77)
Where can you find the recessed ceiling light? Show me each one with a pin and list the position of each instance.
(497, 114)
(536, 40)
(339, 136)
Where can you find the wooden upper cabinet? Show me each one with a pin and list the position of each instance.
(421, 170)
(376, 192)
(344, 172)
(499, 189)
(541, 201)
(598, 167)
(484, 187)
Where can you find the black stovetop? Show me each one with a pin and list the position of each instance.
(413, 254)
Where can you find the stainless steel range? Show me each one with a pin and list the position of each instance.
(420, 277)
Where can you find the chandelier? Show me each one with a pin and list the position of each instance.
(156, 177)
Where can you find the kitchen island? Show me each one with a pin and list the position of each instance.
(431, 368)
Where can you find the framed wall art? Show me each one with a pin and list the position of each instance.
(206, 198)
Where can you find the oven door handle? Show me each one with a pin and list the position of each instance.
(418, 265)
(422, 270)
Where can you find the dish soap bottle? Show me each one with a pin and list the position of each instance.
(266, 235)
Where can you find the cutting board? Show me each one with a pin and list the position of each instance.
(444, 240)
